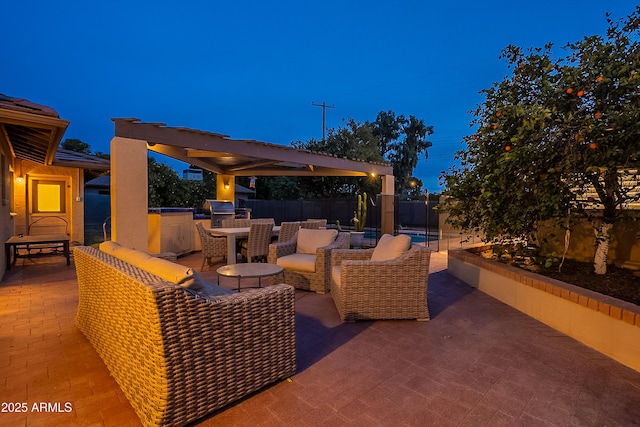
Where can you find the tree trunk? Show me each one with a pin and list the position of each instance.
(602, 248)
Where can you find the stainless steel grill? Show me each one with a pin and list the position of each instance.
(219, 210)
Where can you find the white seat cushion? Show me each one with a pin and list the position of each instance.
(390, 247)
(309, 240)
(298, 262)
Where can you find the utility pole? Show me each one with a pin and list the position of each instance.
(324, 114)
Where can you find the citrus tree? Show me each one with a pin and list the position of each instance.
(558, 138)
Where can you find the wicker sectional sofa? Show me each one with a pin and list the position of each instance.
(176, 354)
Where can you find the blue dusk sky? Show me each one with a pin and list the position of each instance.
(252, 69)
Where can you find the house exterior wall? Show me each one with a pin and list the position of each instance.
(6, 219)
(75, 190)
(14, 207)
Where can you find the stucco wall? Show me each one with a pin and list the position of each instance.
(6, 220)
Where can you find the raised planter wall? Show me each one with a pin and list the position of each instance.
(606, 324)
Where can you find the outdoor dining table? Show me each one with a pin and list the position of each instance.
(232, 233)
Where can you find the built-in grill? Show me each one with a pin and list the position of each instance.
(219, 210)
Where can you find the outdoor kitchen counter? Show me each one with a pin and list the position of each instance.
(171, 230)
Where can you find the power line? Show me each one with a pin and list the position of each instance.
(324, 114)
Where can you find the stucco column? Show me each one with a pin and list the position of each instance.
(387, 205)
(129, 193)
(226, 187)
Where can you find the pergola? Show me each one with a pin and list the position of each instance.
(218, 153)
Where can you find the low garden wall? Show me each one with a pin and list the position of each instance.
(606, 324)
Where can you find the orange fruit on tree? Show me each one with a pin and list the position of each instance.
(498, 114)
(570, 90)
(580, 93)
(600, 79)
(597, 115)
(507, 148)
(593, 146)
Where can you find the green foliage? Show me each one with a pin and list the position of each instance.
(403, 154)
(167, 189)
(353, 141)
(394, 139)
(557, 135)
(551, 260)
(277, 188)
(76, 145)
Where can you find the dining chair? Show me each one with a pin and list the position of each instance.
(287, 230)
(257, 245)
(211, 246)
(314, 224)
(235, 223)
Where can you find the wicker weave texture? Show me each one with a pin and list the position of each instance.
(235, 223)
(257, 245)
(211, 246)
(318, 280)
(287, 230)
(178, 357)
(394, 289)
(314, 224)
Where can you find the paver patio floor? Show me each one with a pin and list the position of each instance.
(477, 362)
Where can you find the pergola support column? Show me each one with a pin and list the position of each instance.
(387, 205)
(129, 193)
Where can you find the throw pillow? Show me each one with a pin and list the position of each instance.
(309, 240)
(109, 246)
(167, 270)
(390, 247)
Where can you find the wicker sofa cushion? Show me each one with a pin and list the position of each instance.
(390, 247)
(166, 270)
(309, 240)
(298, 262)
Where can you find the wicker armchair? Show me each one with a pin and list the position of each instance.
(392, 289)
(211, 246)
(316, 280)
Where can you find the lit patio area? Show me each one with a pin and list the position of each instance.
(477, 362)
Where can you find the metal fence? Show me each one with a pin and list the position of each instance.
(412, 216)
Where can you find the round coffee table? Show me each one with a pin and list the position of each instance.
(249, 270)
